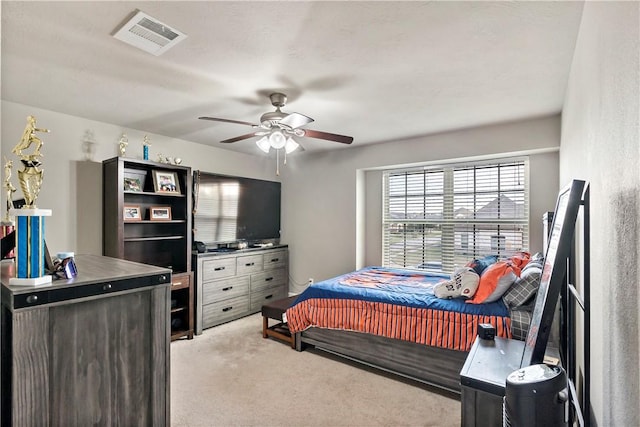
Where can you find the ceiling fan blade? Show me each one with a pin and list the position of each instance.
(239, 138)
(238, 122)
(295, 120)
(328, 136)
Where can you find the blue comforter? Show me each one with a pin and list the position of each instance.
(396, 286)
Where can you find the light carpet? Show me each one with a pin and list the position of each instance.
(231, 376)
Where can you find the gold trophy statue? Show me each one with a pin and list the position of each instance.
(30, 177)
(29, 220)
(9, 188)
(7, 225)
(122, 145)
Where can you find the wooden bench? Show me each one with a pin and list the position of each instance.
(275, 310)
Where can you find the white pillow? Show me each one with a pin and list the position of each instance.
(464, 283)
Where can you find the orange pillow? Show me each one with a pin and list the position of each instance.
(494, 282)
(520, 260)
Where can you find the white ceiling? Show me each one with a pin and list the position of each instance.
(377, 71)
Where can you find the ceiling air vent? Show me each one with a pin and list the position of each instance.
(149, 34)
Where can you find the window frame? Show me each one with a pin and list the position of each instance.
(514, 229)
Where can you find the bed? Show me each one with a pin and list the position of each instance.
(391, 319)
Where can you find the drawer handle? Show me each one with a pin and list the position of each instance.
(32, 298)
(275, 259)
(228, 288)
(218, 268)
(268, 279)
(106, 287)
(177, 283)
(268, 297)
(249, 264)
(227, 308)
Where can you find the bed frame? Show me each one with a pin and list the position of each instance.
(441, 367)
(434, 366)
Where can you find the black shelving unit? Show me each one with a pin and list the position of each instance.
(155, 241)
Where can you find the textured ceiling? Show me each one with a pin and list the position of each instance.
(377, 71)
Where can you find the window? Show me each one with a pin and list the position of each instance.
(441, 217)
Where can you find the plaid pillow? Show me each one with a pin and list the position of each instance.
(520, 321)
(524, 288)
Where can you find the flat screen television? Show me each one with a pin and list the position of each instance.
(231, 209)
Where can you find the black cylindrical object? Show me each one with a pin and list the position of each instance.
(536, 395)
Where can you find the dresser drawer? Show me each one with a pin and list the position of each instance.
(268, 279)
(249, 264)
(275, 259)
(218, 268)
(262, 297)
(223, 311)
(223, 289)
(180, 280)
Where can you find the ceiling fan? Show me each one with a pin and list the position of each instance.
(277, 128)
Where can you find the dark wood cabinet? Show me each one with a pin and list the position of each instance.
(182, 298)
(142, 223)
(93, 350)
(483, 378)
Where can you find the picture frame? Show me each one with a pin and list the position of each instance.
(131, 213)
(166, 182)
(160, 213)
(132, 184)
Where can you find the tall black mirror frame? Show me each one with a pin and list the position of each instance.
(553, 272)
(559, 274)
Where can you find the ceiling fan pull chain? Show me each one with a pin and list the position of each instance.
(278, 162)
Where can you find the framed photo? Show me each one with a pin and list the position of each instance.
(160, 213)
(134, 179)
(132, 213)
(166, 182)
(132, 184)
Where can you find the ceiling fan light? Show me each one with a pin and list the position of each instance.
(291, 145)
(263, 144)
(277, 140)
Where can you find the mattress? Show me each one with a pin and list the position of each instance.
(395, 303)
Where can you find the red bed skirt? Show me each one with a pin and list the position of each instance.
(436, 328)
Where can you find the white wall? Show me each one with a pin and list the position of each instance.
(319, 190)
(601, 144)
(72, 186)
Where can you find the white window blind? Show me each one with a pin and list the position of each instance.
(216, 217)
(441, 217)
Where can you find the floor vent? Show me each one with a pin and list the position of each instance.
(149, 34)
